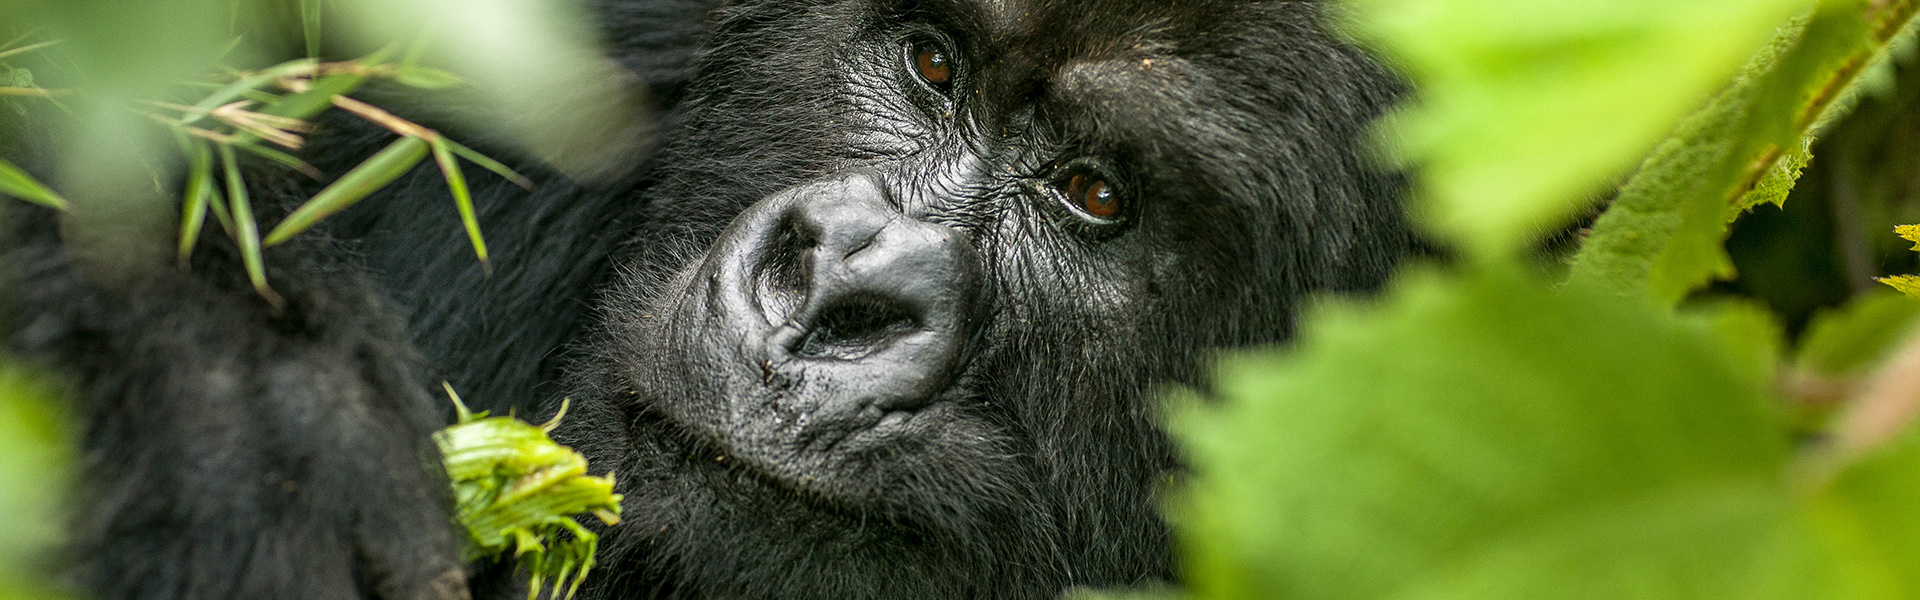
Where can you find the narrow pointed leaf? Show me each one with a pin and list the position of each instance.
(280, 157)
(378, 171)
(193, 210)
(17, 183)
(489, 164)
(248, 232)
(462, 198)
(310, 26)
(245, 87)
(427, 78)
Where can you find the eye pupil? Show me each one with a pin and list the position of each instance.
(1094, 195)
(932, 64)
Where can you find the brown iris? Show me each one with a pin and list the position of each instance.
(933, 64)
(1093, 196)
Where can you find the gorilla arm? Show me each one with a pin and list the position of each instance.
(232, 450)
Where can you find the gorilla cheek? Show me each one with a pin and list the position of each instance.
(817, 334)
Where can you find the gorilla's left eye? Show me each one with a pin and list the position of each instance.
(1090, 191)
(932, 63)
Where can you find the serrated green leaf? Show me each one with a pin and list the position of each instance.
(1663, 234)
(1907, 284)
(1484, 428)
(371, 175)
(1848, 340)
(462, 198)
(17, 183)
(1526, 107)
(1910, 233)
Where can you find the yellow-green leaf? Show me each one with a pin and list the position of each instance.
(17, 183)
(1907, 284)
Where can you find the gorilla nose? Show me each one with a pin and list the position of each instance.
(863, 307)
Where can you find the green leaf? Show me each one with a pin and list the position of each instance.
(243, 87)
(1867, 517)
(427, 78)
(1849, 340)
(1663, 234)
(310, 26)
(17, 183)
(462, 198)
(1527, 107)
(1907, 284)
(489, 164)
(1488, 437)
(516, 491)
(375, 173)
(196, 198)
(246, 230)
(318, 97)
(37, 460)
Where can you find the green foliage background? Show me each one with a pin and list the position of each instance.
(1700, 393)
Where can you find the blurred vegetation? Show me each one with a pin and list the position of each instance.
(1690, 404)
(139, 119)
(1704, 392)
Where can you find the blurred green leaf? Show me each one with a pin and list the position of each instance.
(371, 175)
(36, 473)
(1848, 340)
(17, 183)
(426, 78)
(1868, 518)
(1487, 437)
(1526, 107)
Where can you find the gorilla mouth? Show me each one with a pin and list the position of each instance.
(820, 330)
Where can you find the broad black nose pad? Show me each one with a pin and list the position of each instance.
(848, 279)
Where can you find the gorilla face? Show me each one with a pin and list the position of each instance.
(968, 241)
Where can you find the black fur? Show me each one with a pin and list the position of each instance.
(1235, 127)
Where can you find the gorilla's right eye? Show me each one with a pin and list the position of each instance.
(932, 63)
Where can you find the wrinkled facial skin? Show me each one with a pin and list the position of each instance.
(969, 241)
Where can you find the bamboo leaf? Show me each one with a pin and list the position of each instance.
(490, 164)
(245, 87)
(280, 157)
(17, 183)
(427, 78)
(462, 198)
(375, 173)
(310, 26)
(318, 96)
(247, 230)
(193, 210)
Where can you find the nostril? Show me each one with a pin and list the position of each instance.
(857, 325)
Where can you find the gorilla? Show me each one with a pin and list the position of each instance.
(882, 315)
